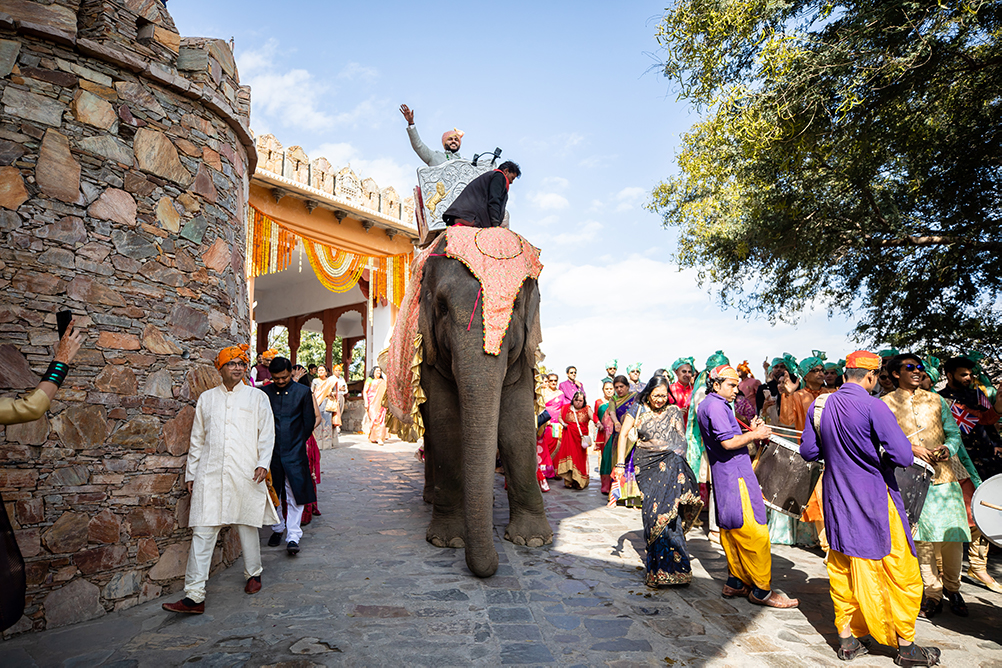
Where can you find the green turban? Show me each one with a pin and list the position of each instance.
(787, 359)
(612, 364)
(983, 380)
(681, 361)
(633, 367)
(888, 352)
(809, 363)
(819, 354)
(932, 365)
(716, 359)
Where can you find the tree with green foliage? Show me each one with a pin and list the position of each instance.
(313, 351)
(849, 155)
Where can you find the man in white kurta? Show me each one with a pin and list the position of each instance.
(231, 445)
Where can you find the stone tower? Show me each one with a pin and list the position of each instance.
(124, 162)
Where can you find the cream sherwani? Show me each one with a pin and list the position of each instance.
(233, 434)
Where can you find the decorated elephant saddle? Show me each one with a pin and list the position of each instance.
(501, 260)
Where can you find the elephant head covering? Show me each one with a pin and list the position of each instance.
(932, 364)
(862, 359)
(227, 355)
(809, 363)
(634, 367)
(682, 361)
(717, 359)
(612, 364)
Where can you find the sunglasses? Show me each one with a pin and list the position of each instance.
(913, 367)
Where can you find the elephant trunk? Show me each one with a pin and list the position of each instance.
(480, 398)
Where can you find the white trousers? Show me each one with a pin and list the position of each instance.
(294, 516)
(203, 542)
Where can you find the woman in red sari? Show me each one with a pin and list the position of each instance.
(548, 440)
(572, 464)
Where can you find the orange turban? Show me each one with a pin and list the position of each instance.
(269, 355)
(862, 359)
(745, 368)
(453, 131)
(232, 353)
(724, 371)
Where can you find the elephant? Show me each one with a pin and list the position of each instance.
(477, 404)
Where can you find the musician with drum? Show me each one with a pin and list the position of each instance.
(943, 526)
(873, 571)
(978, 420)
(737, 496)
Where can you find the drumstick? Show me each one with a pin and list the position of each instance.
(786, 429)
(991, 505)
(909, 436)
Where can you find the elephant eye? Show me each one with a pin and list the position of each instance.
(443, 305)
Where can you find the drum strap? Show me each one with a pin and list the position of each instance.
(819, 406)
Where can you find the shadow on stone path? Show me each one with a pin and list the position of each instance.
(368, 590)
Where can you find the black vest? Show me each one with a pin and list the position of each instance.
(471, 205)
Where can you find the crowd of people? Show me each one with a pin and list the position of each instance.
(686, 439)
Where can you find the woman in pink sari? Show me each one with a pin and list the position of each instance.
(548, 441)
(374, 424)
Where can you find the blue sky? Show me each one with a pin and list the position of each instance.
(565, 89)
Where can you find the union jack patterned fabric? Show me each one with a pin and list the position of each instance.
(966, 420)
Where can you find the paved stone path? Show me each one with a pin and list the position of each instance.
(367, 590)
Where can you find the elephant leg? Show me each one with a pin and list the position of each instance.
(443, 441)
(517, 440)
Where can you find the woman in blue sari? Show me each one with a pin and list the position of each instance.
(669, 489)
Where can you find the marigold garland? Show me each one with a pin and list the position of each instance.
(272, 247)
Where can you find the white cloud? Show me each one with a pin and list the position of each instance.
(549, 201)
(579, 235)
(629, 198)
(384, 171)
(357, 71)
(295, 98)
(559, 144)
(556, 182)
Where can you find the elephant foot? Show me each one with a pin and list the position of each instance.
(530, 531)
(446, 534)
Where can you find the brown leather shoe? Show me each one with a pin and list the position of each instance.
(731, 592)
(253, 585)
(775, 599)
(185, 605)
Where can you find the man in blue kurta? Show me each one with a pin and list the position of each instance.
(296, 416)
(873, 573)
(736, 493)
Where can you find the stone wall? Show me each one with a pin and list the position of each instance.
(124, 162)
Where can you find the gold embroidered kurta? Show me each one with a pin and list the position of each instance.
(926, 419)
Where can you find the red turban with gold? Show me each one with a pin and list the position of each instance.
(232, 353)
(862, 359)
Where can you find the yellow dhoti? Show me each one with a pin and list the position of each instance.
(878, 596)
(748, 550)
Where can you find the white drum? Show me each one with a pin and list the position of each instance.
(986, 506)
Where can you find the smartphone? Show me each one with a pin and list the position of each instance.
(63, 321)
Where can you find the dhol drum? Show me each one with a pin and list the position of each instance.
(786, 478)
(986, 506)
(914, 482)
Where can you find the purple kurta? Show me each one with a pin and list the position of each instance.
(854, 425)
(717, 424)
(570, 389)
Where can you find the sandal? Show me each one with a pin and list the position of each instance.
(917, 656)
(850, 648)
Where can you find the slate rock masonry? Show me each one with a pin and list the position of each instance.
(125, 153)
